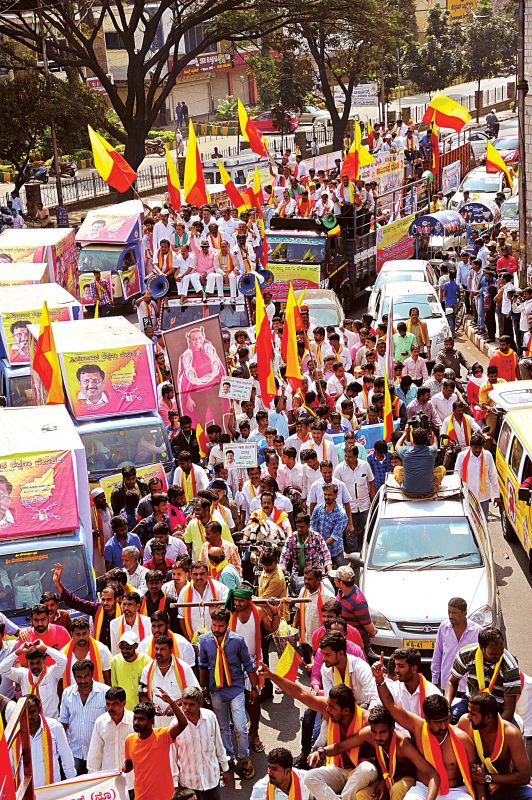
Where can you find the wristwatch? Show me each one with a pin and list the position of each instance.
(488, 778)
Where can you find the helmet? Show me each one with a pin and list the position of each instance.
(449, 374)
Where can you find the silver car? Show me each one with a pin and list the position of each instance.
(416, 555)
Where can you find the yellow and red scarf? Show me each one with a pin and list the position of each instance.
(47, 752)
(98, 620)
(302, 625)
(498, 746)
(277, 514)
(179, 673)
(422, 328)
(175, 646)
(122, 626)
(304, 209)
(388, 766)
(222, 676)
(34, 684)
(422, 693)
(433, 754)
(189, 484)
(144, 604)
(94, 656)
(334, 737)
(189, 598)
(215, 570)
(479, 670)
(465, 467)
(451, 433)
(294, 791)
(165, 261)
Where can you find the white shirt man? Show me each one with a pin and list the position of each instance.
(200, 618)
(315, 493)
(107, 745)
(227, 228)
(240, 253)
(165, 683)
(60, 750)
(460, 428)
(326, 451)
(323, 206)
(200, 753)
(443, 405)
(105, 658)
(118, 626)
(280, 501)
(311, 616)
(201, 479)
(410, 702)
(175, 547)
(334, 385)
(46, 686)
(164, 229)
(357, 483)
(186, 651)
(475, 466)
(137, 579)
(361, 680)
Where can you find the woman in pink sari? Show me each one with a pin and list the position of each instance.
(199, 373)
(476, 379)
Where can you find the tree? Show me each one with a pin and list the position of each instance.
(436, 63)
(27, 102)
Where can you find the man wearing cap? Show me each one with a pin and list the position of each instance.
(163, 229)
(127, 667)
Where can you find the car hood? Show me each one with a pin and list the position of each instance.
(397, 593)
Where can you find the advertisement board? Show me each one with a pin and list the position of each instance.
(301, 276)
(394, 242)
(110, 482)
(450, 177)
(15, 334)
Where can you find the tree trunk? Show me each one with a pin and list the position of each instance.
(478, 100)
(135, 150)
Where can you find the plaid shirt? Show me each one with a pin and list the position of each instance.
(380, 468)
(330, 523)
(316, 552)
(101, 292)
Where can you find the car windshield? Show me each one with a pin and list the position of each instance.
(25, 576)
(296, 251)
(481, 182)
(509, 211)
(419, 540)
(401, 276)
(426, 303)
(517, 397)
(324, 315)
(20, 391)
(511, 143)
(104, 260)
(109, 450)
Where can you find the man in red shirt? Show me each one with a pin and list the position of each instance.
(507, 262)
(331, 610)
(41, 628)
(506, 360)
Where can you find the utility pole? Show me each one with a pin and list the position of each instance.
(522, 91)
(55, 154)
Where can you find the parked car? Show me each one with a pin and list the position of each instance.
(434, 549)
(508, 147)
(414, 294)
(401, 271)
(313, 114)
(266, 124)
(477, 138)
(324, 307)
(482, 185)
(510, 213)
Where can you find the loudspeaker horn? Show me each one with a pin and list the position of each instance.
(158, 286)
(246, 285)
(329, 221)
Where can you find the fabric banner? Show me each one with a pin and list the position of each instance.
(110, 482)
(393, 241)
(37, 494)
(197, 363)
(15, 334)
(388, 172)
(301, 276)
(450, 178)
(117, 381)
(96, 786)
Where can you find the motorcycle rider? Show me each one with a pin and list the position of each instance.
(492, 123)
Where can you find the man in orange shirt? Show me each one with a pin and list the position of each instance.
(147, 750)
(506, 360)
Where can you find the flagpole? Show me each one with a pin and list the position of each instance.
(522, 91)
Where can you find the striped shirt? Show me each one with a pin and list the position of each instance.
(81, 718)
(508, 681)
(200, 753)
(355, 611)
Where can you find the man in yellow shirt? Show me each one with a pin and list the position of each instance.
(127, 667)
(195, 531)
(492, 374)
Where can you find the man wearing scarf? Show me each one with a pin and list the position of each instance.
(477, 469)
(49, 745)
(282, 782)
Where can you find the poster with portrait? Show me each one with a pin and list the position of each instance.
(15, 334)
(197, 362)
(37, 494)
(240, 454)
(130, 280)
(236, 389)
(115, 224)
(110, 482)
(85, 280)
(113, 381)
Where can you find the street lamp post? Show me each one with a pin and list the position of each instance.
(522, 91)
(46, 70)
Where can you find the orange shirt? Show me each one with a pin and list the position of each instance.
(151, 763)
(506, 364)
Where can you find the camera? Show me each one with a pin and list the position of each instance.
(420, 421)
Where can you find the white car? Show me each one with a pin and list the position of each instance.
(510, 214)
(324, 307)
(478, 139)
(419, 295)
(313, 114)
(481, 185)
(401, 271)
(416, 555)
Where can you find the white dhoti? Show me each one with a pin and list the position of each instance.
(420, 792)
(193, 280)
(331, 783)
(215, 279)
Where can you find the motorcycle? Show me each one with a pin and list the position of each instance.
(68, 168)
(154, 147)
(38, 174)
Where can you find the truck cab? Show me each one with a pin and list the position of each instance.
(15, 385)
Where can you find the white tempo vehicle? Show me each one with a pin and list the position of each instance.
(481, 185)
(413, 294)
(433, 549)
(401, 271)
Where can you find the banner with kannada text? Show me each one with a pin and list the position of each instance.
(393, 241)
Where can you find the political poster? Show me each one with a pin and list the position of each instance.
(237, 454)
(64, 261)
(197, 362)
(301, 276)
(388, 172)
(450, 178)
(394, 242)
(113, 381)
(130, 280)
(37, 494)
(111, 224)
(85, 280)
(458, 9)
(15, 334)
(110, 482)
(235, 389)
(109, 785)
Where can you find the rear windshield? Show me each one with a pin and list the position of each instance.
(109, 450)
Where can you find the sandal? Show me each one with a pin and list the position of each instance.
(257, 745)
(248, 770)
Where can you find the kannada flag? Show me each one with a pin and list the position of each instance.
(369, 127)
(292, 320)
(388, 376)
(496, 163)
(288, 664)
(264, 349)
(46, 362)
(111, 166)
(250, 133)
(446, 112)
(172, 179)
(194, 182)
(358, 156)
(232, 192)
(202, 441)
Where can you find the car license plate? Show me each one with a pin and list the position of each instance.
(419, 644)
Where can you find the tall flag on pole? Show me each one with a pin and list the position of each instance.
(250, 133)
(202, 441)
(358, 156)
(434, 147)
(110, 165)
(232, 192)
(496, 163)
(172, 179)
(446, 112)
(264, 349)
(46, 362)
(289, 352)
(388, 376)
(194, 182)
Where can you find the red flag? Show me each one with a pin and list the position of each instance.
(264, 349)
(250, 133)
(172, 179)
(7, 781)
(289, 341)
(288, 664)
(434, 148)
(202, 441)
(46, 362)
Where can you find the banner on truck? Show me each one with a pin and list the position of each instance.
(15, 331)
(110, 482)
(65, 262)
(450, 178)
(393, 241)
(301, 276)
(109, 785)
(37, 494)
(85, 280)
(117, 381)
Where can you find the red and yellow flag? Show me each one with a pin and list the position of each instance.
(434, 147)
(250, 133)
(292, 319)
(46, 361)
(202, 440)
(111, 166)
(264, 349)
(446, 112)
(288, 664)
(172, 179)
(496, 163)
(194, 182)
(388, 376)
(232, 192)
(358, 156)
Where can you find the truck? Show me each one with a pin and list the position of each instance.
(22, 273)
(55, 246)
(44, 508)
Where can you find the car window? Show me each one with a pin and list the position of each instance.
(504, 439)
(506, 144)
(481, 182)
(402, 276)
(516, 454)
(427, 304)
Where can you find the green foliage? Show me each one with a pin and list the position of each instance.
(490, 44)
(227, 108)
(166, 136)
(283, 81)
(437, 62)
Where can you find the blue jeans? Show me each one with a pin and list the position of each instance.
(480, 311)
(457, 709)
(224, 710)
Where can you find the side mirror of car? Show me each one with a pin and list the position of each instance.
(355, 559)
(524, 494)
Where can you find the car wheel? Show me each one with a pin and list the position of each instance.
(507, 528)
